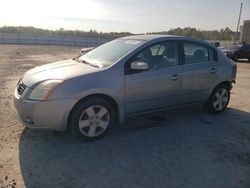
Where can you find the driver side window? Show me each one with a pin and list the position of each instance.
(164, 54)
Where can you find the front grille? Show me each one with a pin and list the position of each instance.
(20, 88)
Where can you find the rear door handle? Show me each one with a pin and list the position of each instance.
(213, 70)
(174, 77)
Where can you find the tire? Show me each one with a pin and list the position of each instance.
(249, 60)
(218, 100)
(91, 119)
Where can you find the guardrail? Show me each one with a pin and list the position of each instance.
(32, 39)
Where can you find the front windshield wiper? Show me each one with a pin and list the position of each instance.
(91, 64)
(85, 62)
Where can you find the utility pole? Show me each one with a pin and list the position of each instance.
(238, 25)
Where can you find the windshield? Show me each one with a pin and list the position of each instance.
(107, 54)
(233, 47)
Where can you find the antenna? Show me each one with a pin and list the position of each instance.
(236, 34)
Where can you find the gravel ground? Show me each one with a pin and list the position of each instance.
(180, 148)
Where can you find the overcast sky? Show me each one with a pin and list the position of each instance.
(137, 16)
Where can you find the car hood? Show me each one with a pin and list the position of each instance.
(61, 70)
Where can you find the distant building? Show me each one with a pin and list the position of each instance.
(245, 32)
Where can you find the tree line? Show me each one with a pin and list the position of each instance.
(223, 34)
(61, 32)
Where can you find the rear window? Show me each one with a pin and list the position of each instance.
(198, 53)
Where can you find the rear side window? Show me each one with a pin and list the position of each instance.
(195, 53)
(198, 53)
(247, 47)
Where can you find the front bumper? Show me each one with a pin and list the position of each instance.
(51, 115)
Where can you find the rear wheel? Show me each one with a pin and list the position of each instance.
(91, 119)
(219, 99)
(248, 59)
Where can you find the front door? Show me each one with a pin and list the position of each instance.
(160, 86)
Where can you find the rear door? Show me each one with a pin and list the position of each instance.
(200, 70)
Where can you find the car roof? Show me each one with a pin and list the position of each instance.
(149, 37)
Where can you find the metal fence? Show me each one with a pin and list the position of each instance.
(32, 39)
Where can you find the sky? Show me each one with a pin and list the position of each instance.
(136, 16)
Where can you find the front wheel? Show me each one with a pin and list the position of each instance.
(91, 119)
(218, 100)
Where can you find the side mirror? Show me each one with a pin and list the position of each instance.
(139, 66)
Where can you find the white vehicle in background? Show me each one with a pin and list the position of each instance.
(86, 50)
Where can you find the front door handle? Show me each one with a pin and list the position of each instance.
(213, 70)
(174, 77)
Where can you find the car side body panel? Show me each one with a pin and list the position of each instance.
(152, 90)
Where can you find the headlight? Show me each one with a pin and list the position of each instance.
(44, 89)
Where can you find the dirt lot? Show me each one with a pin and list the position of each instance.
(180, 148)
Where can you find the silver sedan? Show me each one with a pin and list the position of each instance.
(125, 77)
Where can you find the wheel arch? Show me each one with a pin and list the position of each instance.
(226, 83)
(208, 105)
(98, 95)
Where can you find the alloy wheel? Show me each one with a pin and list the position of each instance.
(221, 99)
(94, 121)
